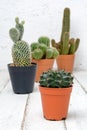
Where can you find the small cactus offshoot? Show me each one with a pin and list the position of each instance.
(56, 79)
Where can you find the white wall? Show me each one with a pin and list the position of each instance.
(43, 17)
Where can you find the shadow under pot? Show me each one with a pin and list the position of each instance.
(22, 78)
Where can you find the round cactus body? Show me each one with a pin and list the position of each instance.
(37, 54)
(55, 53)
(34, 46)
(44, 40)
(21, 54)
(49, 53)
(43, 47)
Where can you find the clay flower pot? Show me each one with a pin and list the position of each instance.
(55, 102)
(43, 65)
(65, 62)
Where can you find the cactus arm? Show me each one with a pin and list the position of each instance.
(65, 46)
(20, 27)
(14, 34)
(66, 22)
(77, 44)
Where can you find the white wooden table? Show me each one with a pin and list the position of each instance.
(24, 112)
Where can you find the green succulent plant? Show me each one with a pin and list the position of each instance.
(66, 45)
(56, 79)
(41, 49)
(20, 50)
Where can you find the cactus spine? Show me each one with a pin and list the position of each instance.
(20, 50)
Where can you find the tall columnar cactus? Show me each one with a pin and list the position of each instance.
(20, 50)
(66, 45)
(66, 23)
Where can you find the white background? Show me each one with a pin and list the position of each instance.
(43, 17)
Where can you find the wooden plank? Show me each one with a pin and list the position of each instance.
(4, 78)
(81, 77)
(12, 108)
(77, 117)
(34, 118)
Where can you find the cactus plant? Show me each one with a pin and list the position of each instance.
(66, 45)
(56, 79)
(20, 50)
(42, 49)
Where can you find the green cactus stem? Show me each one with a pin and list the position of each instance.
(14, 34)
(21, 54)
(77, 44)
(65, 46)
(20, 27)
(66, 23)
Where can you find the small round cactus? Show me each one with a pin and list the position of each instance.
(43, 47)
(49, 53)
(55, 52)
(44, 40)
(34, 46)
(37, 54)
(56, 79)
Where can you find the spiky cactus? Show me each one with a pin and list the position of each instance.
(49, 53)
(66, 45)
(44, 40)
(56, 79)
(37, 54)
(34, 46)
(20, 50)
(42, 49)
(66, 23)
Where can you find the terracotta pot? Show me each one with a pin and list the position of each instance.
(55, 102)
(43, 65)
(65, 62)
